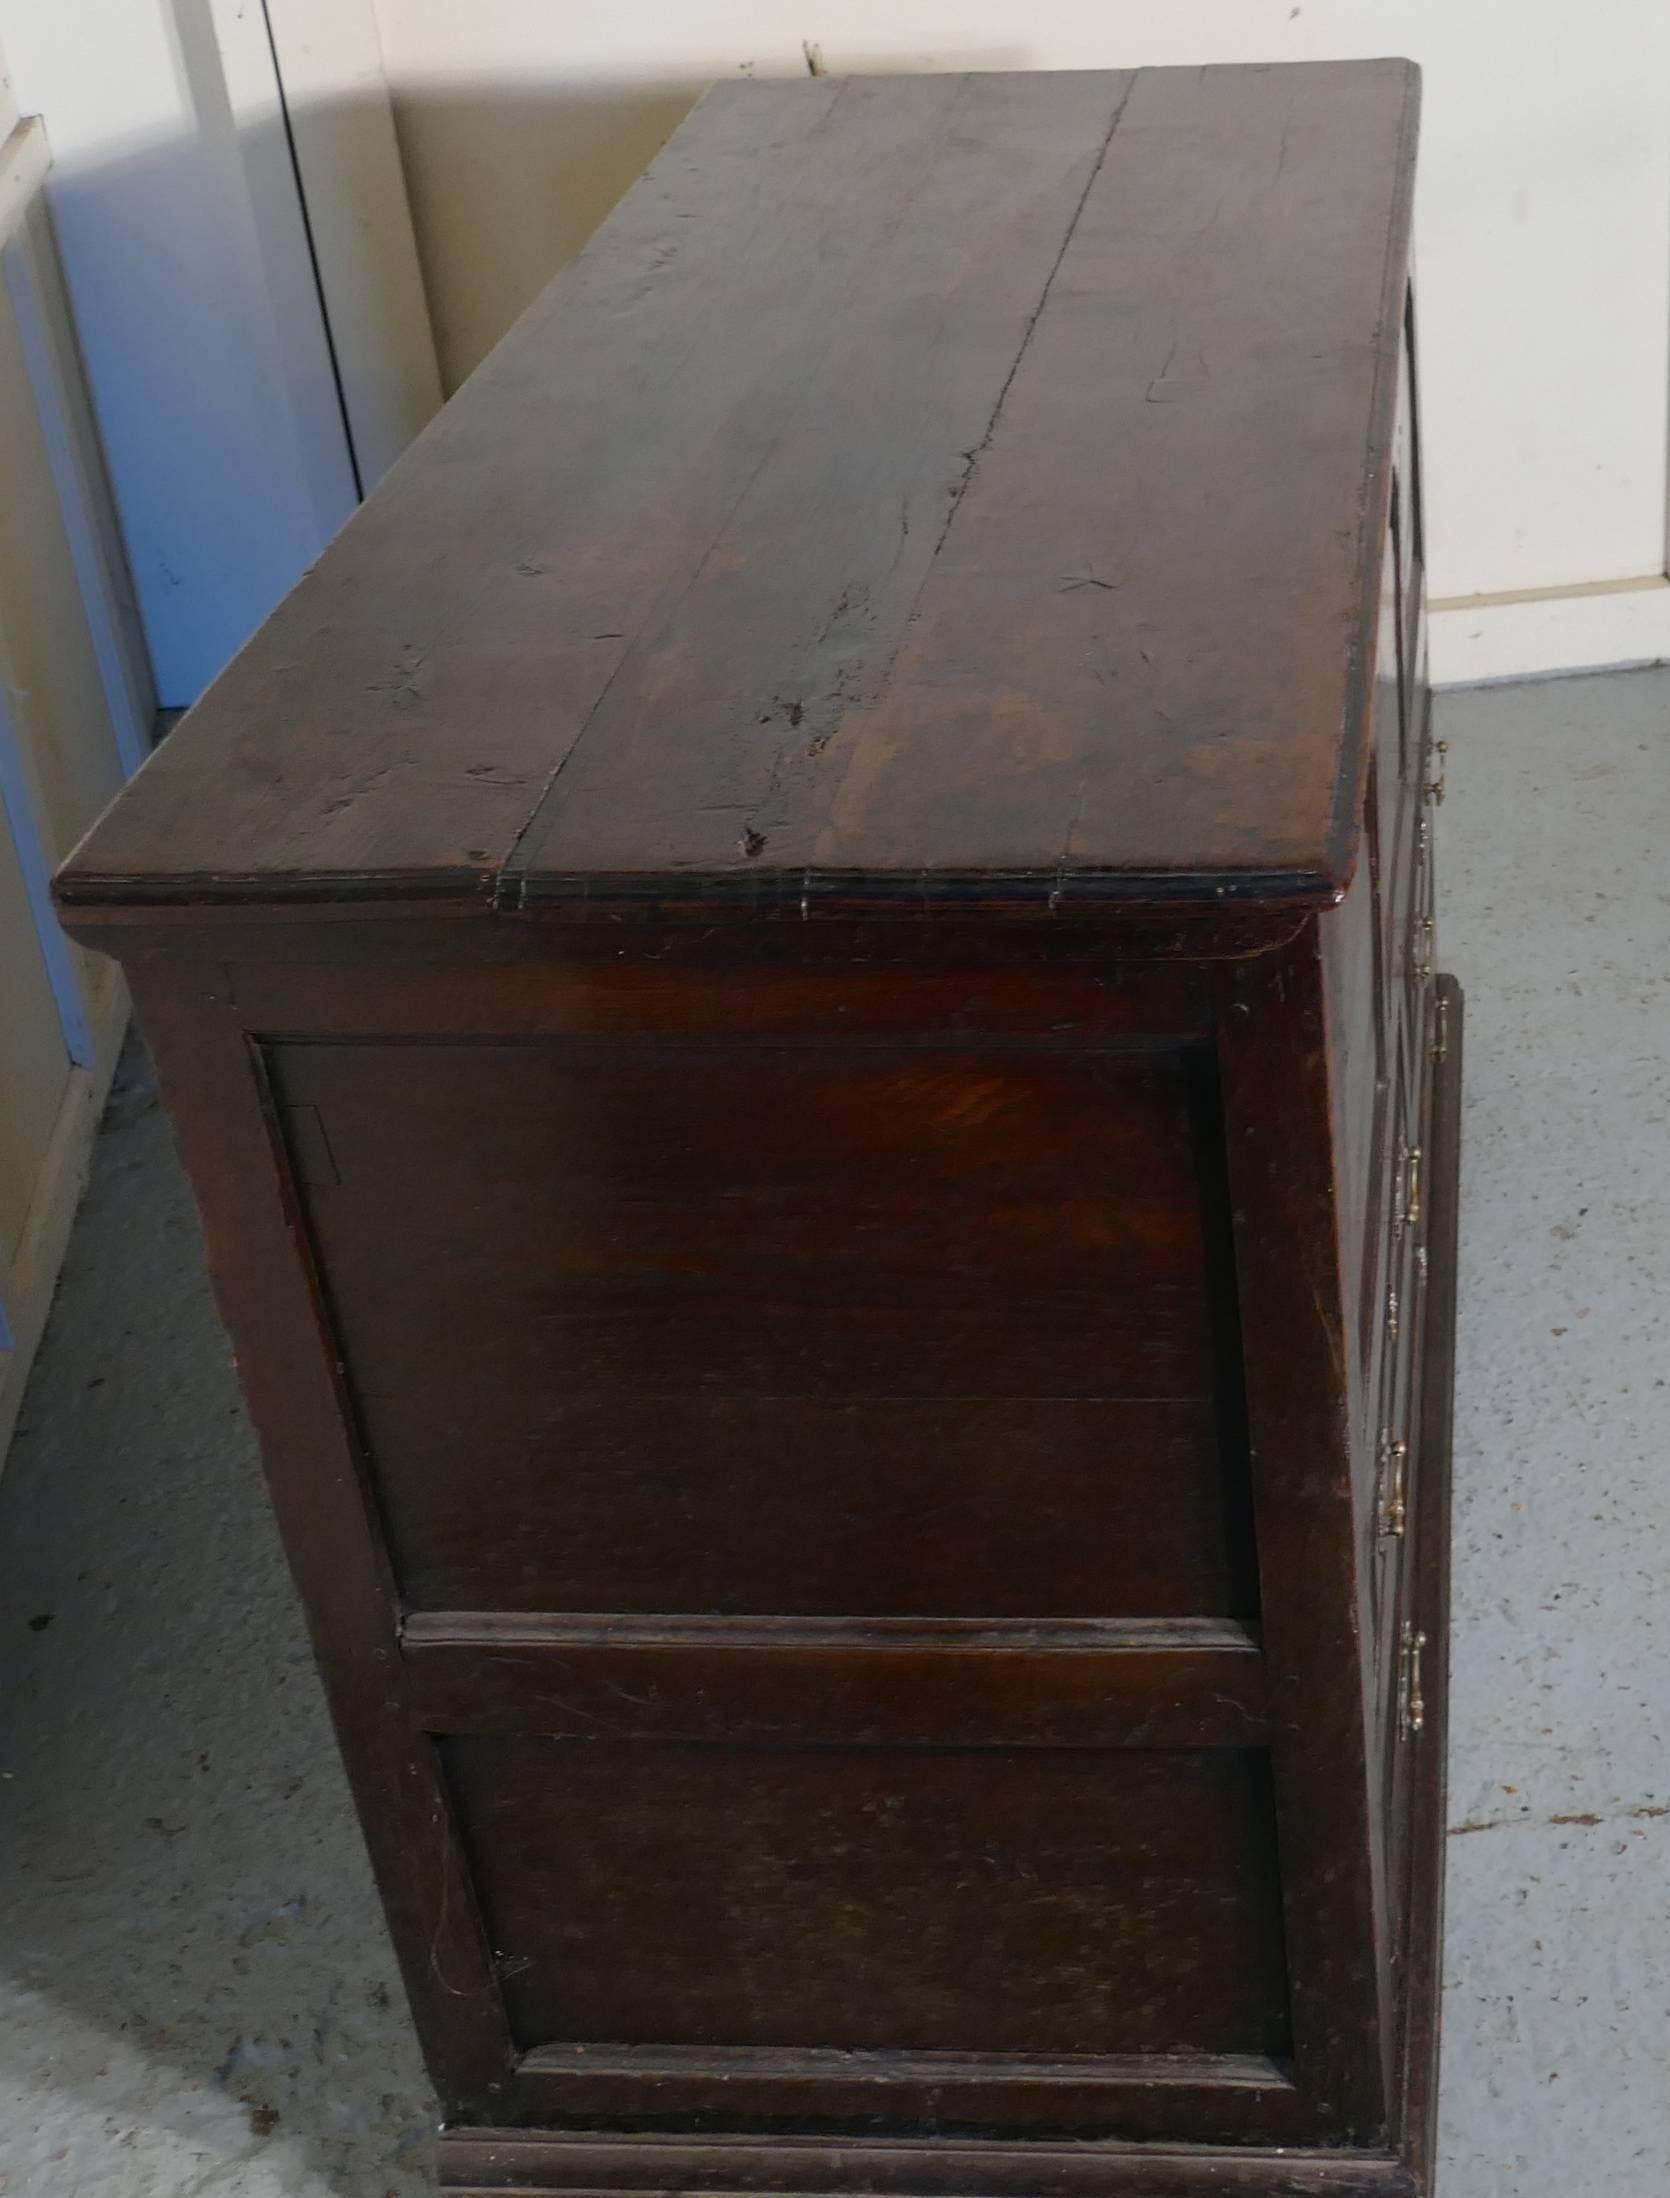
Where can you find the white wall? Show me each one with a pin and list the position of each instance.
(1543, 224)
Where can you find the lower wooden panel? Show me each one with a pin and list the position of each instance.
(992, 1900)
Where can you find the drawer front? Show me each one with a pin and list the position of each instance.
(1399, 1646)
(1409, 1165)
(1410, 517)
(1392, 766)
(1399, 1309)
(1378, 961)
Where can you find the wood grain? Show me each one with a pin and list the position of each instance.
(1057, 1900)
(922, 491)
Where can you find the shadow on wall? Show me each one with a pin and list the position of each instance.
(506, 186)
(223, 443)
(506, 183)
(193, 291)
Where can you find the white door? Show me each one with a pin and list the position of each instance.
(194, 276)
(75, 712)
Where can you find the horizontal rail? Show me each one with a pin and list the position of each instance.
(900, 1682)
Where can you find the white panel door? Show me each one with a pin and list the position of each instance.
(186, 254)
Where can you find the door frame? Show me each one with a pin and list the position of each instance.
(340, 121)
(89, 997)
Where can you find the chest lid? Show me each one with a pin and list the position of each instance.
(942, 490)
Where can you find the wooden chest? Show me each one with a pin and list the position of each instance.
(798, 987)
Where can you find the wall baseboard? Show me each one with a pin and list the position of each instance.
(63, 1177)
(1608, 627)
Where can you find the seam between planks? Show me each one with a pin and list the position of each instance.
(510, 886)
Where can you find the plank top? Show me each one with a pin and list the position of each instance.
(939, 490)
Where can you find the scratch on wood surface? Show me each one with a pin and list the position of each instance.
(1067, 845)
(1321, 1298)
(356, 792)
(453, 1991)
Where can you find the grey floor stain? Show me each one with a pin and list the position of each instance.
(196, 1993)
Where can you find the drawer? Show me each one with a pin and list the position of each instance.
(1399, 1310)
(1403, 987)
(1395, 1583)
(1387, 797)
(1408, 515)
(1409, 441)
(1419, 971)
(1413, 948)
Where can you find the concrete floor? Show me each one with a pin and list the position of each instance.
(195, 1991)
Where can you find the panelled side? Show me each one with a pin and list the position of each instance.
(1294, 1031)
(809, 1445)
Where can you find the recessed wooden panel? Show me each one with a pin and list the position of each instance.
(1027, 1901)
(807, 1328)
(1013, 1507)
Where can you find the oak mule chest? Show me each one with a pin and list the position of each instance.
(798, 987)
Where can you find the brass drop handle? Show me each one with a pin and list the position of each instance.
(1412, 1205)
(1394, 1504)
(1406, 1198)
(1425, 930)
(1435, 787)
(1441, 1034)
(1411, 1698)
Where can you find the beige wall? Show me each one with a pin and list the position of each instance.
(34, 1068)
(60, 702)
(1543, 230)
